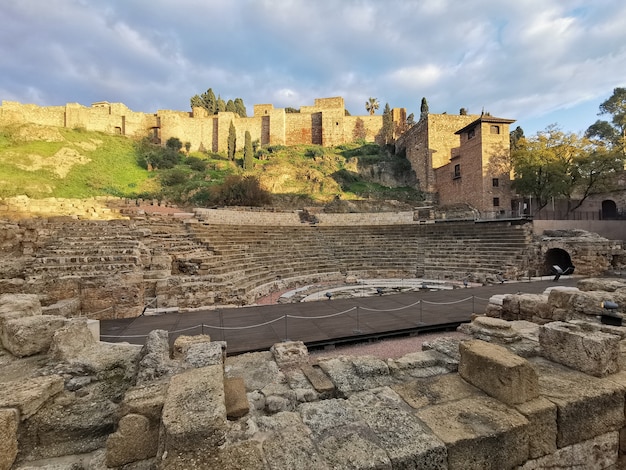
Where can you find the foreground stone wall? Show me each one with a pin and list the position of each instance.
(507, 395)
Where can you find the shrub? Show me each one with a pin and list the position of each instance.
(196, 164)
(174, 177)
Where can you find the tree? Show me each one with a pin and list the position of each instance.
(230, 106)
(232, 141)
(208, 101)
(248, 153)
(371, 105)
(174, 143)
(387, 129)
(515, 136)
(424, 107)
(612, 134)
(220, 105)
(240, 108)
(555, 164)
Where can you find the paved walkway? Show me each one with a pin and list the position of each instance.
(259, 327)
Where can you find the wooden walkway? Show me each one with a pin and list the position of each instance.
(257, 328)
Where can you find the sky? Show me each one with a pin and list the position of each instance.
(541, 62)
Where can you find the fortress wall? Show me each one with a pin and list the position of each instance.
(299, 128)
(333, 128)
(274, 130)
(250, 124)
(12, 112)
(92, 119)
(371, 126)
(442, 128)
(262, 218)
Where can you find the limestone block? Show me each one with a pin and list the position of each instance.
(579, 304)
(491, 330)
(19, 305)
(586, 406)
(258, 369)
(146, 400)
(479, 432)
(246, 455)
(407, 441)
(498, 372)
(288, 443)
(435, 390)
(182, 343)
(320, 381)
(9, 420)
(236, 399)
(541, 414)
(71, 341)
(510, 307)
(355, 374)
(599, 452)
(601, 284)
(533, 306)
(580, 348)
(136, 439)
(290, 353)
(154, 359)
(447, 346)
(203, 354)
(64, 308)
(342, 436)
(194, 412)
(30, 335)
(421, 364)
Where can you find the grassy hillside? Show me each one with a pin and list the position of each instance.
(55, 162)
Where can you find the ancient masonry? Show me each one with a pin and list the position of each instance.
(538, 382)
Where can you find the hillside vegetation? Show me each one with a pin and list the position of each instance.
(40, 161)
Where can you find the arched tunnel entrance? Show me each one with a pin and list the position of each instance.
(558, 257)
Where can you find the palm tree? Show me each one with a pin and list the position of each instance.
(371, 105)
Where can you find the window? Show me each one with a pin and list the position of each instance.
(471, 133)
(457, 171)
(495, 129)
(495, 182)
(496, 202)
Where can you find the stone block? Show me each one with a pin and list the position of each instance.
(498, 372)
(258, 369)
(236, 399)
(154, 358)
(479, 432)
(541, 414)
(355, 374)
(71, 341)
(586, 406)
(194, 412)
(182, 343)
(9, 421)
(201, 354)
(596, 453)
(146, 400)
(290, 353)
(578, 304)
(64, 308)
(419, 393)
(533, 306)
(407, 441)
(136, 439)
(580, 348)
(30, 335)
(491, 330)
(422, 364)
(28, 395)
(320, 381)
(341, 435)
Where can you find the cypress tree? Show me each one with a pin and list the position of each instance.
(248, 154)
(232, 141)
(240, 108)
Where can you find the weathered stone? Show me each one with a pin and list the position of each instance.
(194, 413)
(587, 406)
(288, 443)
(498, 372)
(236, 399)
(532, 306)
(71, 341)
(419, 393)
(28, 395)
(9, 420)
(490, 329)
(447, 346)
(246, 455)
(408, 443)
(201, 354)
(421, 364)
(136, 438)
(320, 381)
(601, 284)
(290, 353)
(479, 432)
(354, 374)
(19, 305)
(581, 305)
(182, 343)
(541, 414)
(599, 452)
(65, 308)
(342, 436)
(257, 369)
(580, 348)
(30, 335)
(154, 359)
(146, 400)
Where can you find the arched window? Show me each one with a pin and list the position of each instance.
(609, 209)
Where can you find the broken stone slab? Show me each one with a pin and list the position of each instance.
(182, 343)
(419, 393)
(154, 358)
(136, 439)
(201, 354)
(9, 421)
(194, 412)
(498, 372)
(71, 341)
(290, 353)
(421, 364)
(479, 433)
(320, 381)
(587, 406)
(352, 374)
(301, 386)
(581, 348)
(491, 330)
(28, 395)
(30, 335)
(237, 404)
(599, 452)
(258, 369)
(288, 443)
(146, 400)
(541, 414)
(407, 441)
(342, 436)
(446, 346)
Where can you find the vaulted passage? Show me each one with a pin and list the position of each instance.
(559, 257)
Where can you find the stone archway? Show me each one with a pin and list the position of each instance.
(609, 209)
(559, 257)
